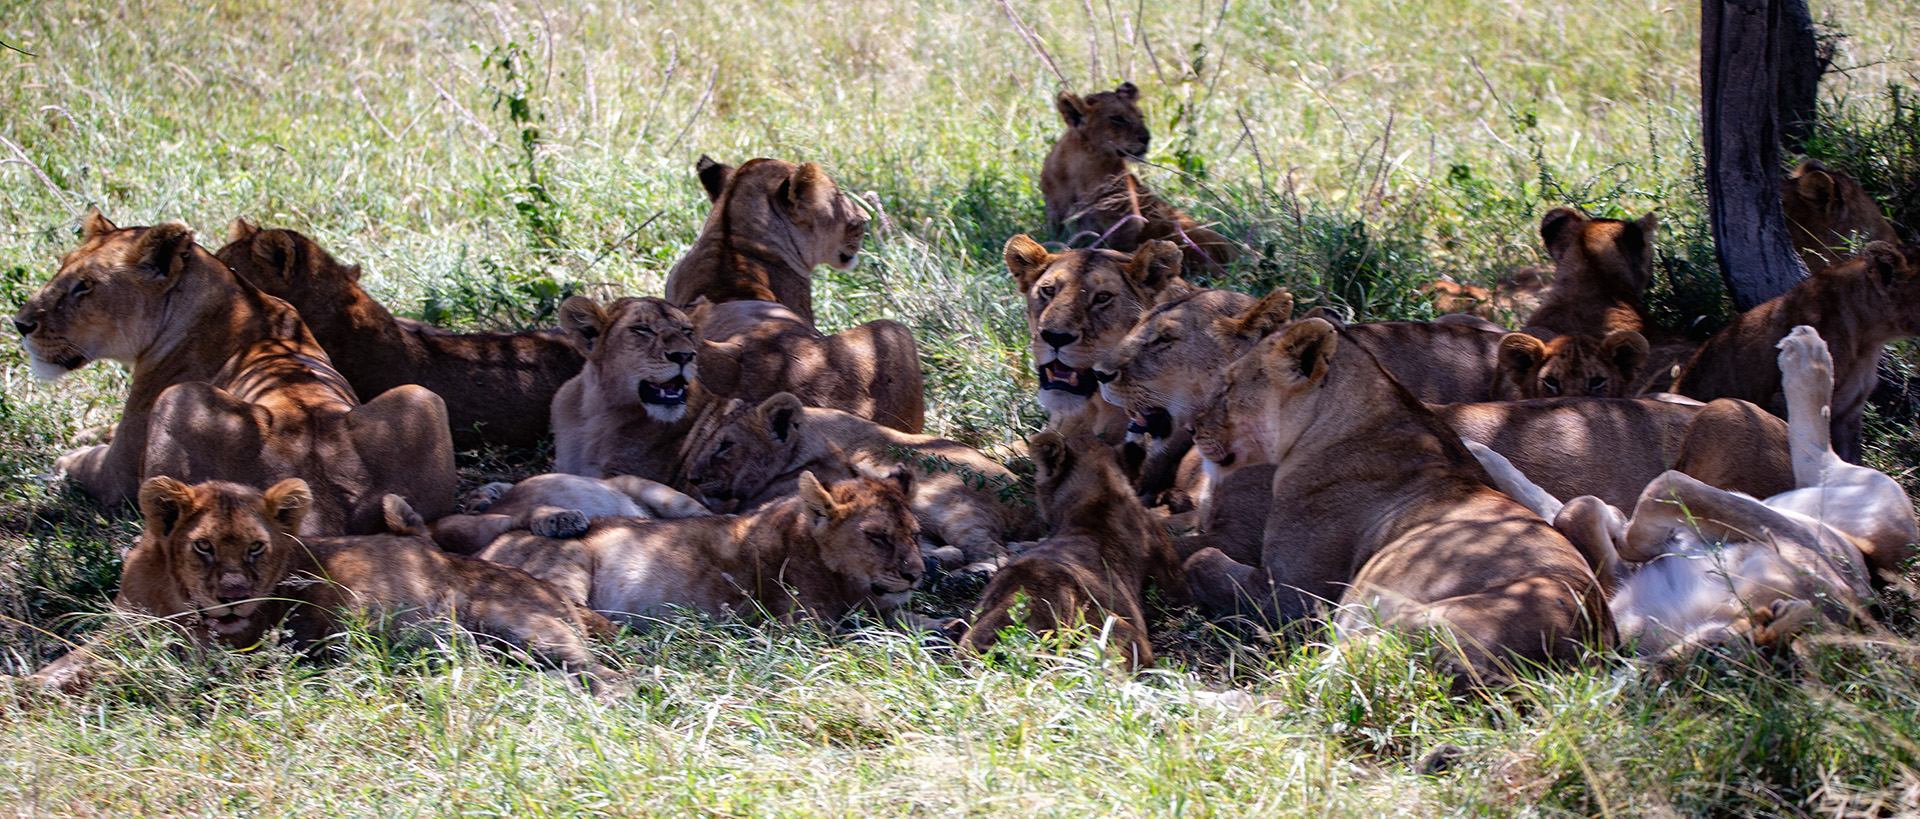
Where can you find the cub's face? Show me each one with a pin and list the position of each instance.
(1576, 365)
(1262, 402)
(1829, 214)
(1160, 370)
(639, 352)
(867, 536)
(1603, 253)
(228, 546)
(1080, 303)
(770, 197)
(288, 265)
(1108, 122)
(107, 300)
(745, 450)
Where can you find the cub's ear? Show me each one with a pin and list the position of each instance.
(1520, 354)
(400, 517)
(1050, 453)
(778, 414)
(584, 322)
(288, 503)
(809, 193)
(717, 366)
(241, 230)
(713, 176)
(1072, 110)
(1304, 353)
(1559, 228)
(94, 224)
(1266, 316)
(1326, 314)
(815, 499)
(1128, 91)
(1155, 266)
(1815, 185)
(163, 502)
(1886, 262)
(1026, 260)
(902, 477)
(1626, 350)
(274, 252)
(163, 249)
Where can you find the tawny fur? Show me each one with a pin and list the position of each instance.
(557, 505)
(754, 349)
(1829, 215)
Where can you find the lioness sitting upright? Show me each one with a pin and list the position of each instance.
(1602, 268)
(1828, 214)
(1104, 548)
(771, 223)
(227, 384)
(497, 386)
(1089, 189)
(221, 561)
(1378, 507)
(630, 407)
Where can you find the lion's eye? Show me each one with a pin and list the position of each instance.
(686, 330)
(204, 547)
(1160, 340)
(642, 331)
(724, 446)
(1047, 292)
(1596, 383)
(1118, 120)
(258, 548)
(81, 288)
(880, 540)
(1552, 384)
(1102, 298)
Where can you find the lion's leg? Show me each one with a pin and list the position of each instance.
(405, 446)
(1227, 588)
(470, 534)
(662, 500)
(1537, 620)
(1595, 529)
(1676, 501)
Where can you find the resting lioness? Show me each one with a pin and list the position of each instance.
(227, 384)
(754, 349)
(1089, 190)
(497, 386)
(822, 554)
(1104, 548)
(628, 410)
(221, 562)
(1857, 306)
(556, 505)
(752, 454)
(1378, 507)
(1829, 214)
(1575, 364)
(771, 223)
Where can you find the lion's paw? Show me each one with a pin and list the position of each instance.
(478, 500)
(566, 523)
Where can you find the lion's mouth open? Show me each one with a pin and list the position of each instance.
(669, 393)
(1154, 421)
(1057, 376)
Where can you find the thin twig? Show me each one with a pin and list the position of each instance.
(623, 240)
(1254, 143)
(707, 95)
(11, 47)
(1033, 41)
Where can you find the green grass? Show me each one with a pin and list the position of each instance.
(482, 161)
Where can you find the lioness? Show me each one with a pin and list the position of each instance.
(556, 505)
(227, 383)
(1575, 364)
(221, 562)
(1857, 306)
(1104, 548)
(754, 349)
(1829, 214)
(822, 554)
(628, 410)
(771, 223)
(1379, 507)
(1088, 188)
(753, 454)
(497, 386)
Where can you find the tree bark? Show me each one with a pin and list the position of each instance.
(1803, 59)
(1741, 52)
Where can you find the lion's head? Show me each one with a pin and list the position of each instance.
(1603, 254)
(1570, 365)
(227, 547)
(1080, 303)
(638, 350)
(866, 534)
(1828, 214)
(1076, 479)
(1159, 372)
(1262, 402)
(740, 453)
(1108, 122)
(110, 297)
(764, 196)
(288, 265)
(1893, 273)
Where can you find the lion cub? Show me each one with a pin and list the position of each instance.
(822, 554)
(220, 561)
(1827, 213)
(1380, 509)
(1089, 189)
(754, 454)
(1575, 364)
(753, 349)
(1104, 548)
(556, 505)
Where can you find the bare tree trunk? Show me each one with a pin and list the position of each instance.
(1741, 56)
(1803, 59)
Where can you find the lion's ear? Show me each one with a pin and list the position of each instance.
(1072, 110)
(1886, 262)
(815, 498)
(1049, 452)
(1520, 354)
(1128, 91)
(902, 477)
(1155, 266)
(1304, 353)
(1026, 260)
(163, 502)
(809, 191)
(273, 250)
(1265, 317)
(717, 366)
(163, 249)
(287, 504)
(400, 517)
(713, 176)
(1558, 229)
(778, 414)
(1626, 349)
(584, 322)
(240, 230)
(1815, 185)
(94, 224)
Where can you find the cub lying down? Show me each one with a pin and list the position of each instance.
(1104, 549)
(556, 505)
(753, 455)
(219, 561)
(833, 548)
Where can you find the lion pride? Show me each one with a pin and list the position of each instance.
(497, 386)
(227, 384)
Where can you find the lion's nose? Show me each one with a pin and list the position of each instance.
(680, 357)
(25, 327)
(1104, 376)
(1057, 340)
